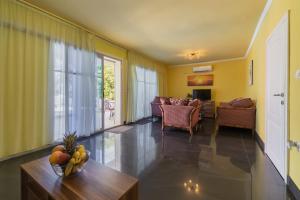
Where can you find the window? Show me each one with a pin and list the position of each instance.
(146, 91)
(72, 90)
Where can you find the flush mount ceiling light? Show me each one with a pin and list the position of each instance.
(193, 55)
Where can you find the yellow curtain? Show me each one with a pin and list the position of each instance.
(25, 34)
(162, 80)
(134, 60)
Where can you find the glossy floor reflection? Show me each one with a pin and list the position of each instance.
(226, 165)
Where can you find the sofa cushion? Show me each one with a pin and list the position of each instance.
(242, 102)
(179, 102)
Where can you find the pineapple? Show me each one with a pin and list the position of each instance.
(70, 142)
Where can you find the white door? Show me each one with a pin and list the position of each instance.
(276, 95)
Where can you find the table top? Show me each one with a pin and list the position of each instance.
(96, 181)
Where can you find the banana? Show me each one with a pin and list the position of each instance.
(76, 154)
(69, 168)
(83, 155)
(72, 160)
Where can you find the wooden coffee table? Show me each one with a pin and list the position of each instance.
(95, 182)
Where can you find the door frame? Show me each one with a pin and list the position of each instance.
(284, 19)
(101, 56)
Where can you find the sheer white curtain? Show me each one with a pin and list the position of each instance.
(72, 90)
(146, 90)
(145, 81)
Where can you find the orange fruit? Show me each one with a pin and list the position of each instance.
(59, 148)
(58, 157)
(54, 157)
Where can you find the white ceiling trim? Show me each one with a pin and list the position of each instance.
(258, 26)
(208, 62)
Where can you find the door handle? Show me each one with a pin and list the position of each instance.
(279, 95)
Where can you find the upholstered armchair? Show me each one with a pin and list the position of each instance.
(240, 113)
(181, 116)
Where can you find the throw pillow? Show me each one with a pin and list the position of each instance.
(179, 102)
(165, 101)
(235, 100)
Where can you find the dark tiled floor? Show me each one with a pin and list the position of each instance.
(226, 165)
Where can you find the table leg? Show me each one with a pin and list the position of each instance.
(24, 191)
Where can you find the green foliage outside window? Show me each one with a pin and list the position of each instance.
(109, 83)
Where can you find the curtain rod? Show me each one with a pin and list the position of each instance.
(72, 23)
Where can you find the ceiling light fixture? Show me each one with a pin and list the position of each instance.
(193, 54)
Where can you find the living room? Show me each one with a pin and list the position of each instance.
(149, 100)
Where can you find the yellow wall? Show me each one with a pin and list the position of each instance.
(257, 91)
(294, 89)
(229, 80)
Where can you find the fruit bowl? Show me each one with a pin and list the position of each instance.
(68, 158)
(60, 170)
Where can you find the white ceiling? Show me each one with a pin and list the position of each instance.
(168, 29)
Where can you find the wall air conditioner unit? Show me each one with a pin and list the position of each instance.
(202, 69)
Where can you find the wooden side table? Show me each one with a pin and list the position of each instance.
(95, 182)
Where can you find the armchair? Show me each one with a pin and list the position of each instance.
(186, 117)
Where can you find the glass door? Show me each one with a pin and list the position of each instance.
(112, 92)
(108, 95)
